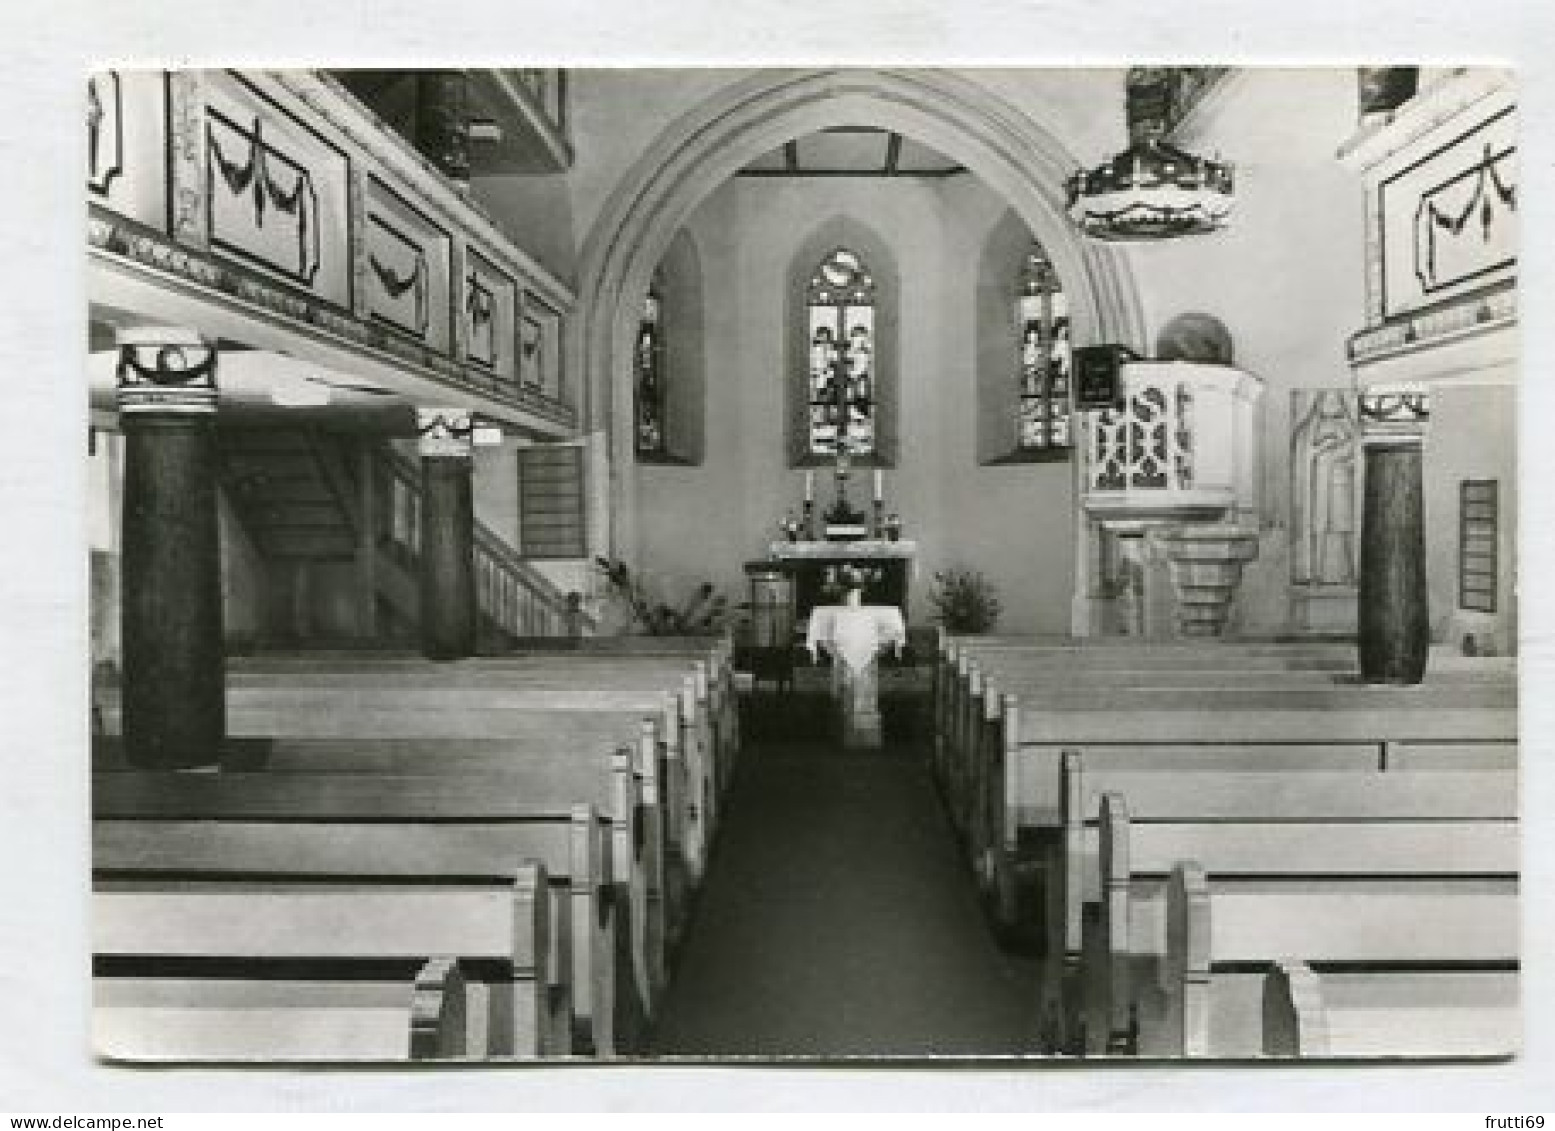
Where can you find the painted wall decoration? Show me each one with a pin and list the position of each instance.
(407, 259)
(276, 192)
(488, 309)
(540, 347)
(1325, 483)
(1449, 214)
(126, 144)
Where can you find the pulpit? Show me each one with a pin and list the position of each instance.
(1171, 478)
(853, 634)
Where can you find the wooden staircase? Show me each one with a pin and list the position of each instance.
(344, 511)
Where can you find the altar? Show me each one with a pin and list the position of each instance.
(887, 567)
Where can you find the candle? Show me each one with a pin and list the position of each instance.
(809, 486)
(879, 484)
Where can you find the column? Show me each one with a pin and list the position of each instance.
(443, 121)
(447, 535)
(1394, 615)
(174, 688)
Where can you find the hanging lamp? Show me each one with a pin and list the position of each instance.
(1152, 190)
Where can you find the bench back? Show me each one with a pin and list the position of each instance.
(538, 789)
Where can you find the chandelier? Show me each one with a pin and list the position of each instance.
(1152, 190)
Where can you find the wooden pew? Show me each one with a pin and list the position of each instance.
(974, 673)
(306, 973)
(430, 829)
(1044, 681)
(1014, 809)
(1401, 870)
(970, 669)
(652, 905)
(578, 735)
(709, 664)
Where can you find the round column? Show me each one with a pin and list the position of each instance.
(1394, 611)
(174, 687)
(447, 534)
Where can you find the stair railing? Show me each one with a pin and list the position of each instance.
(511, 593)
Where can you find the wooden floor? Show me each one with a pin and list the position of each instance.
(837, 919)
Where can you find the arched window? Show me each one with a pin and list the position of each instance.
(840, 309)
(648, 374)
(1024, 360)
(1042, 316)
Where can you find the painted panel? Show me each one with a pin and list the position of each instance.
(277, 193)
(407, 277)
(489, 309)
(126, 144)
(1450, 214)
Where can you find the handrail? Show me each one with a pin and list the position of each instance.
(520, 599)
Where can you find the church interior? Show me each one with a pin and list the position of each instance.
(818, 563)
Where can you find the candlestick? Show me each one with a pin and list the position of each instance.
(879, 484)
(809, 486)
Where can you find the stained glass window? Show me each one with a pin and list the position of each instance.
(648, 374)
(840, 299)
(1045, 359)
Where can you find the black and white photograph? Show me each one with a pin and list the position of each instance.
(1010, 570)
(440, 713)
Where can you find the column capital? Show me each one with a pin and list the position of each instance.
(166, 369)
(1394, 414)
(445, 432)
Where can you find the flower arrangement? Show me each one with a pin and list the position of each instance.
(964, 600)
(703, 613)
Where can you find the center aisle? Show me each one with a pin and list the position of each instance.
(838, 920)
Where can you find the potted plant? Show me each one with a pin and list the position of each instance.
(964, 601)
